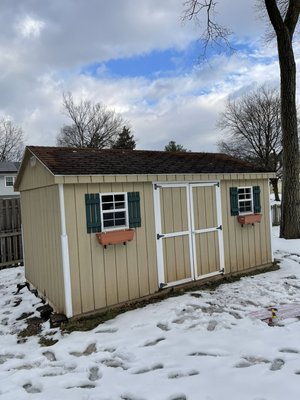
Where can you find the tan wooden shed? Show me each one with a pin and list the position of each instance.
(102, 227)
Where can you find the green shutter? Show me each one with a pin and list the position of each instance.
(134, 211)
(234, 204)
(256, 199)
(93, 216)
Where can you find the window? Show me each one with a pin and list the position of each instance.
(109, 211)
(245, 200)
(114, 211)
(9, 181)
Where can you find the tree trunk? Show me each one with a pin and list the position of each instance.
(290, 221)
(274, 183)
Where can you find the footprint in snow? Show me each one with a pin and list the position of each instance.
(87, 352)
(31, 389)
(94, 374)
(148, 369)
(154, 342)
(297, 372)
(84, 386)
(177, 397)
(250, 361)
(212, 325)
(176, 375)
(49, 355)
(127, 396)
(204, 354)
(109, 349)
(17, 301)
(163, 327)
(288, 350)
(113, 363)
(277, 364)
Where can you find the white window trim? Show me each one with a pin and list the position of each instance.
(115, 228)
(250, 199)
(13, 180)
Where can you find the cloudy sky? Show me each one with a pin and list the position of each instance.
(135, 56)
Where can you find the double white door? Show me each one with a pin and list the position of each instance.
(189, 232)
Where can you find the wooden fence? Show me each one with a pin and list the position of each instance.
(276, 214)
(11, 251)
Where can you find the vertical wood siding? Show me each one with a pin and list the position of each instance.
(42, 247)
(103, 277)
(246, 246)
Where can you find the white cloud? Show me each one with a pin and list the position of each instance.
(29, 27)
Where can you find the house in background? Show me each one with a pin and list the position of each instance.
(183, 217)
(8, 173)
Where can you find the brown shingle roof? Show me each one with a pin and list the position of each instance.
(87, 161)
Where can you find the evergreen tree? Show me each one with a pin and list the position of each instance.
(174, 147)
(124, 140)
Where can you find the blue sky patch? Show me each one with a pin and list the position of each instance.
(158, 63)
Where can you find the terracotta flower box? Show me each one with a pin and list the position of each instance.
(115, 237)
(249, 219)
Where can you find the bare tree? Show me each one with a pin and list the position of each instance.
(11, 141)
(93, 124)
(253, 128)
(283, 16)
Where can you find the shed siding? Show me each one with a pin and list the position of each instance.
(36, 176)
(103, 277)
(42, 247)
(246, 246)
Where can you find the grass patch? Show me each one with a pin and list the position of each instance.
(46, 341)
(34, 327)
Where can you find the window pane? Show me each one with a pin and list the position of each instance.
(107, 206)
(120, 222)
(107, 198)
(120, 205)
(107, 216)
(108, 224)
(120, 214)
(119, 197)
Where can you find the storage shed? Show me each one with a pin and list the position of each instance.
(103, 227)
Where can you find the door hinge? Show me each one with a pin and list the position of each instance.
(222, 271)
(158, 236)
(156, 186)
(220, 227)
(218, 184)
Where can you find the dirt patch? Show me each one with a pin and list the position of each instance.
(34, 327)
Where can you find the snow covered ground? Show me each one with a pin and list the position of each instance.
(203, 345)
